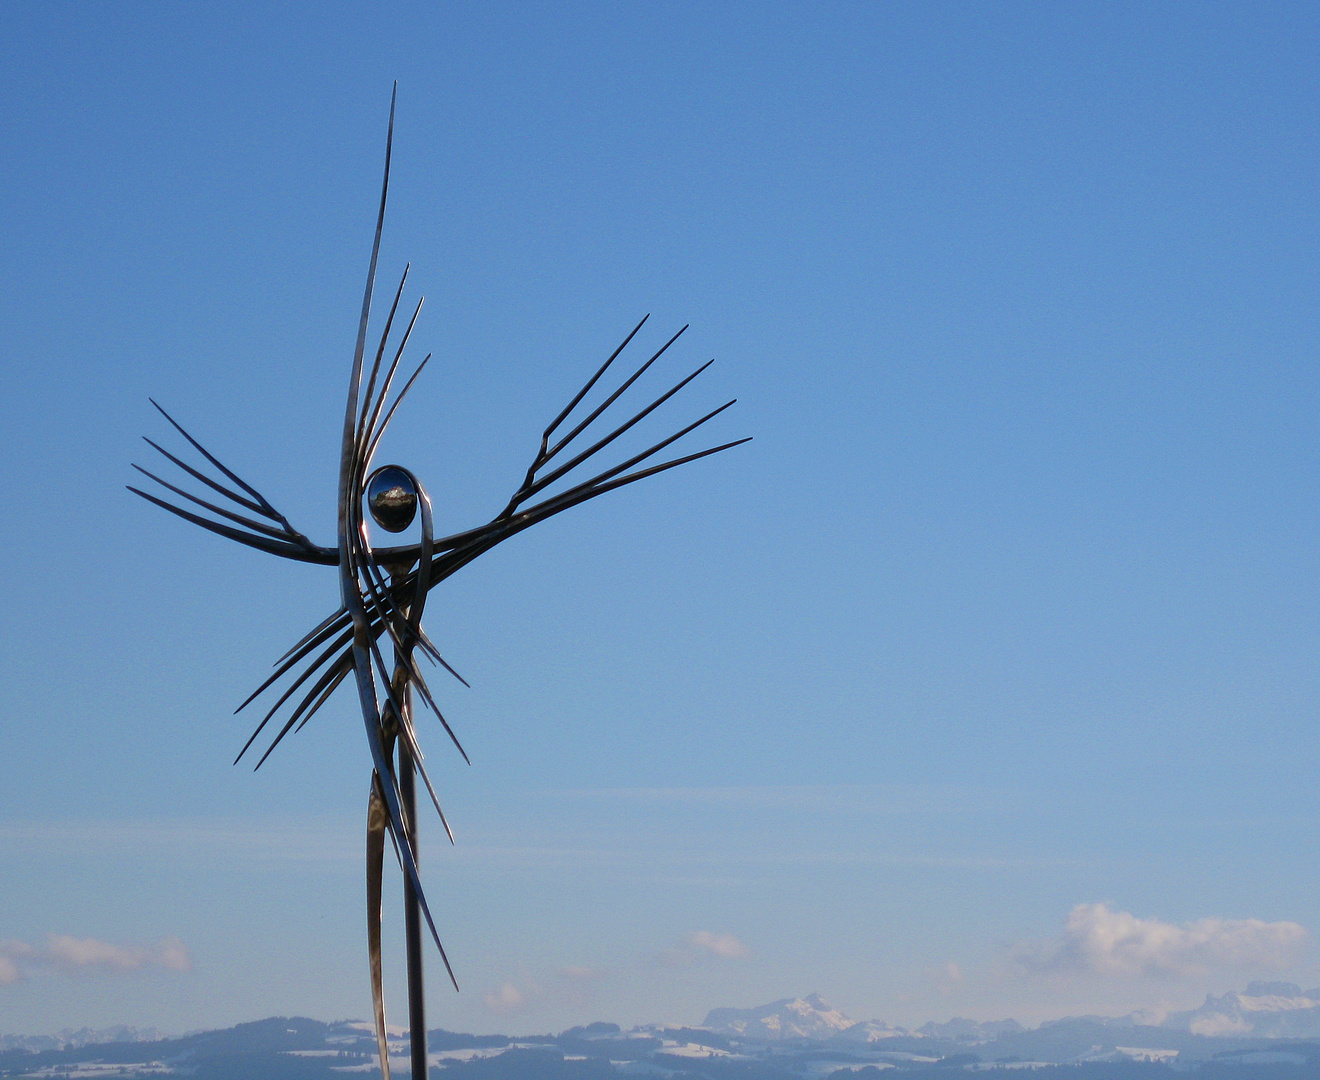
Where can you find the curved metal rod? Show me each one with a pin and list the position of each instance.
(377, 821)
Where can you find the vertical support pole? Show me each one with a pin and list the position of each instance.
(412, 909)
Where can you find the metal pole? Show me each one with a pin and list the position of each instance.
(412, 909)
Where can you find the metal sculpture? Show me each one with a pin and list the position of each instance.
(383, 592)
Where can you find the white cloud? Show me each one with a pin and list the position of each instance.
(174, 955)
(948, 977)
(508, 998)
(703, 944)
(73, 953)
(725, 946)
(1098, 940)
(88, 955)
(1219, 1025)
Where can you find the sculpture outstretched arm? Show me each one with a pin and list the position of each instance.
(275, 535)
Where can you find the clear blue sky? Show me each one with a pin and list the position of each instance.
(1010, 606)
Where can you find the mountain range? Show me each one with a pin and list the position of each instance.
(1270, 1010)
(1275, 1010)
(1267, 1030)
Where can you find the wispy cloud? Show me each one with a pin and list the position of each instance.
(297, 844)
(71, 955)
(1098, 940)
(580, 974)
(884, 799)
(702, 944)
(298, 840)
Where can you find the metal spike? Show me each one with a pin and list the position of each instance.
(255, 526)
(270, 510)
(375, 439)
(410, 736)
(288, 693)
(322, 625)
(332, 686)
(309, 643)
(287, 551)
(380, 351)
(330, 674)
(590, 383)
(197, 474)
(364, 436)
(429, 646)
(583, 425)
(591, 451)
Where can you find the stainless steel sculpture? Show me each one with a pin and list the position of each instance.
(382, 592)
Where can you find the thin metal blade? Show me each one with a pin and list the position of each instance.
(371, 717)
(377, 819)
(199, 475)
(266, 507)
(380, 431)
(366, 438)
(380, 353)
(590, 383)
(323, 556)
(255, 526)
(313, 667)
(591, 417)
(545, 481)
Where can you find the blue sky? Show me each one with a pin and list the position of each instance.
(1009, 608)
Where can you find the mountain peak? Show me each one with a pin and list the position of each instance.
(811, 1017)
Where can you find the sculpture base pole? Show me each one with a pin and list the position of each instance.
(412, 915)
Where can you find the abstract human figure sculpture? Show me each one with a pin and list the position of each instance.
(383, 592)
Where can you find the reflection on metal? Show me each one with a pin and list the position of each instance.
(392, 498)
(383, 590)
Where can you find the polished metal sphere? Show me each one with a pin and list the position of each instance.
(392, 498)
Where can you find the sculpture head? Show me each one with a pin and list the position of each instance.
(391, 496)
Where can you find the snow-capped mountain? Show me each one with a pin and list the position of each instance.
(971, 1032)
(811, 1017)
(870, 1031)
(1275, 1010)
(1264, 1010)
(69, 1039)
